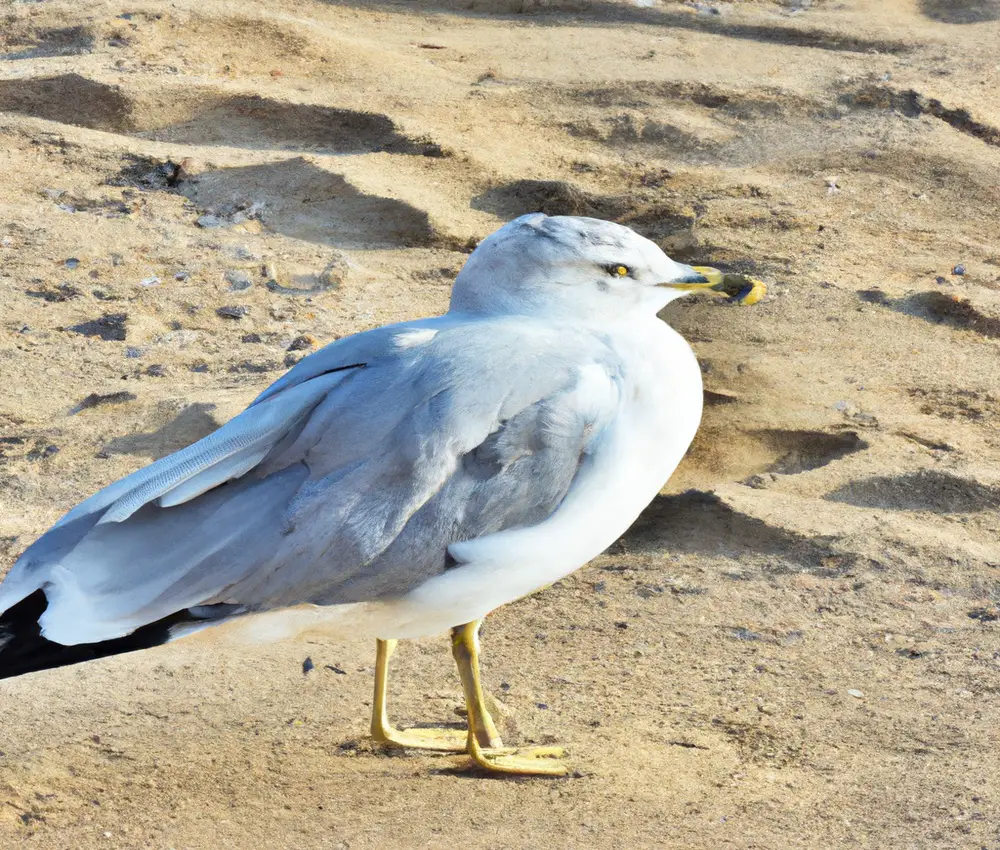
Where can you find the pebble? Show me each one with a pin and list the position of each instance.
(108, 327)
(71, 262)
(63, 292)
(307, 665)
(180, 338)
(209, 221)
(854, 692)
(40, 453)
(95, 399)
(150, 281)
(242, 252)
(182, 275)
(255, 368)
(958, 270)
(232, 312)
(302, 343)
(237, 280)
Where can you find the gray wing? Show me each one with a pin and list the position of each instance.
(344, 481)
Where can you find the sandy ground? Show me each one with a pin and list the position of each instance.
(797, 645)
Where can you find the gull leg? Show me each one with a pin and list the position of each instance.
(483, 742)
(449, 740)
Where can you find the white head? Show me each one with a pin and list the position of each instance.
(570, 267)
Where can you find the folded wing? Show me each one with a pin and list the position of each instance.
(345, 481)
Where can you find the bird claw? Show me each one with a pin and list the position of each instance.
(532, 761)
(440, 739)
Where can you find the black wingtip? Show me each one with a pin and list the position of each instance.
(23, 648)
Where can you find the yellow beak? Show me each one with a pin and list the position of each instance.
(740, 287)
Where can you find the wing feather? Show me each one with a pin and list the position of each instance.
(228, 453)
(349, 483)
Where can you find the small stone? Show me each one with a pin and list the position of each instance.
(251, 338)
(95, 399)
(133, 352)
(150, 281)
(958, 270)
(854, 692)
(71, 263)
(42, 452)
(180, 338)
(108, 327)
(989, 614)
(242, 252)
(200, 366)
(307, 665)
(156, 370)
(63, 292)
(237, 280)
(182, 275)
(254, 368)
(209, 221)
(232, 312)
(302, 343)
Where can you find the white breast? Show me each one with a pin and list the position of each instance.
(642, 447)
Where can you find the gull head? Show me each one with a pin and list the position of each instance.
(572, 267)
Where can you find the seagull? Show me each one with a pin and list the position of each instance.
(401, 482)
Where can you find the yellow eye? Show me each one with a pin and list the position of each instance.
(620, 271)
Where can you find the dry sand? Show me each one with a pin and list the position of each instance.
(797, 645)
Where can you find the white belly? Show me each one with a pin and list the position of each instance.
(640, 450)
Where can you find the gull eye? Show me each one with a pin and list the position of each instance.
(618, 270)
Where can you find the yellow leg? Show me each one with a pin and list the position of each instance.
(448, 740)
(483, 742)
